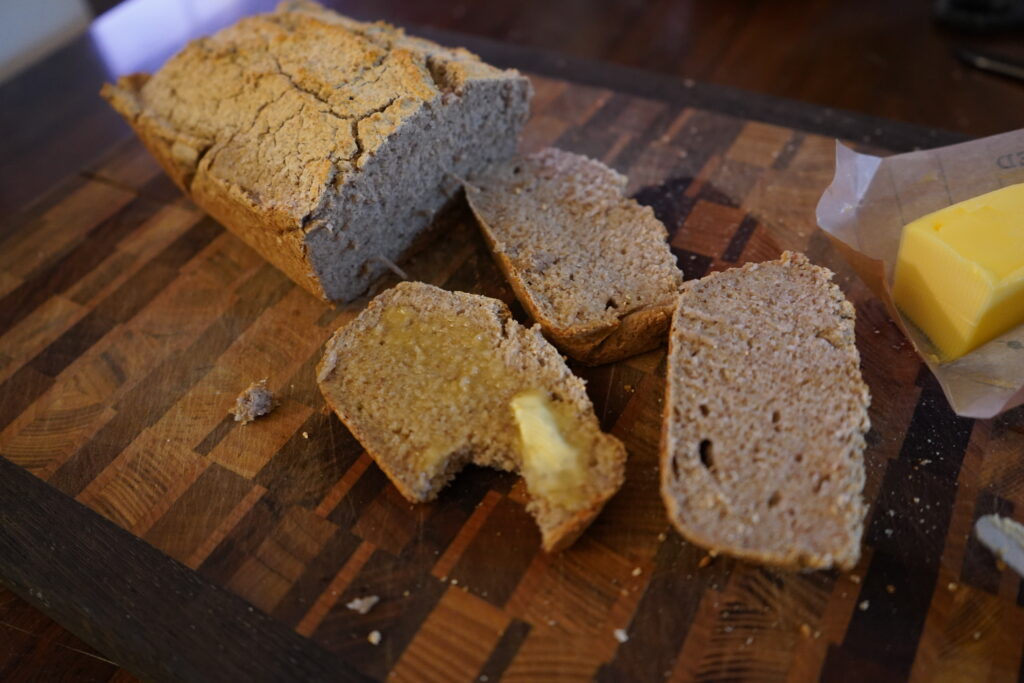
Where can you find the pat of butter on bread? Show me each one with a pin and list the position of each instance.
(552, 466)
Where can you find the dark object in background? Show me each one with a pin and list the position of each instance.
(992, 62)
(980, 15)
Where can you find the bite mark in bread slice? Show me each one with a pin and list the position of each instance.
(429, 380)
(765, 416)
(592, 266)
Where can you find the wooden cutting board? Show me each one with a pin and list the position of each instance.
(130, 321)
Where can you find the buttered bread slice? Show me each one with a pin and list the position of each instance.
(591, 265)
(430, 380)
(765, 416)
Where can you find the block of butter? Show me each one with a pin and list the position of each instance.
(960, 271)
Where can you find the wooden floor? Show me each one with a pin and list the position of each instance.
(874, 56)
(879, 57)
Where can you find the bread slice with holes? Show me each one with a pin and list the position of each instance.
(592, 266)
(430, 380)
(765, 416)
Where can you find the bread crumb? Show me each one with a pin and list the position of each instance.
(620, 635)
(637, 571)
(363, 604)
(977, 635)
(854, 578)
(863, 607)
(305, 435)
(374, 637)
(805, 630)
(256, 401)
(951, 586)
(704, 561)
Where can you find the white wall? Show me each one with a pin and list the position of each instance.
(32, 29)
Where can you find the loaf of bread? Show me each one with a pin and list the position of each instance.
(325, 143)
(765, 416)
(592, 266)
(430, 380)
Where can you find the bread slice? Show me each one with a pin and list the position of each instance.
(765, 415)
(592, 266)
(327, 144)
(430, 380)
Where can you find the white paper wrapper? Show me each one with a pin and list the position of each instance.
(864, 211)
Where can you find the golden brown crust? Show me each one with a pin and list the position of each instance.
(123, 97)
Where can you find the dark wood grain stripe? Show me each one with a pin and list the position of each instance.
(406, 595)
(157, 616)
(56, 277)
(198, 512)
(979, 566)
(240, 543)
(19, 390)
(907, 531)
(669, 202)
(358, 497)
(739, 239)
(663, 615)
(694, 265)
(508, 539)
(316, 577)
(631, 152)
(788, 151)
(595, 137)
(305, 468)
(216, 435)
(505, 651)
(606, 387)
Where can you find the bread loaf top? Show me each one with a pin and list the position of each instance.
(303, 90)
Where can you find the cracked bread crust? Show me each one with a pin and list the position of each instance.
(326, 143)
(592, 266)
(765, 417)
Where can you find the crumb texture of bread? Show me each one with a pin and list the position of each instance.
(765, 417)
(256, 401)
(591, 265)
(430, 380)
(326, 143)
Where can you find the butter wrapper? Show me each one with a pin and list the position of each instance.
(864, 210)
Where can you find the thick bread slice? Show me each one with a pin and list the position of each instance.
(430, 380)
(592, 266)
(327, 144)
(765, 415)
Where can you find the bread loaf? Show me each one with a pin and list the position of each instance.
(326, 144)
(765, 416)
(430, 380)
(592, 266)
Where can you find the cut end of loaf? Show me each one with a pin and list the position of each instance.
(765, 417)
(430, 380)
